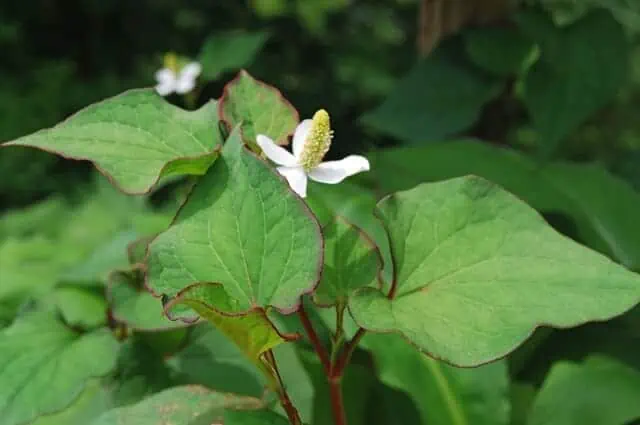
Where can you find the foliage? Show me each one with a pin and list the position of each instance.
(485, 273)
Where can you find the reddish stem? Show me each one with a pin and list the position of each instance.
(315, 340)
(341, 363)
(337, 406)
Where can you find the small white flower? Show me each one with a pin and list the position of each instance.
(172, 79)
(311, 141)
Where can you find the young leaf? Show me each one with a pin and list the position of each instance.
(135, 139)
(242, 227)
(600, 391)
(259, 108)
(44, 366)
(252, 331)
(351, 261)
(476, 270)
(177, 406)
(445, 395)
(229, 51)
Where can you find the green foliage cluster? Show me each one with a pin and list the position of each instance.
(484, 271)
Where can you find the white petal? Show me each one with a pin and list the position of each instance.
(297, 179)
(300, 136)
(165, 75)
(333, 172)
(185, 84)
(165, 88)
(276, 153)
(191, 70)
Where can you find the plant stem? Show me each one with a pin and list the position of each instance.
(285, 401)
(337, 405)
(337, 369)
(315, 340)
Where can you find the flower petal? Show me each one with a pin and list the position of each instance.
(333, 172)
(300, 136)
(186, 80)
(165, 75)
(276, 153)
(185, 84)
(297, 179)
(165, 88)
(191, 70)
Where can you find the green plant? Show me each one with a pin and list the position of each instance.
(292, 290)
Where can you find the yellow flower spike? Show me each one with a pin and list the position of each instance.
(171, 62)
(318, 141)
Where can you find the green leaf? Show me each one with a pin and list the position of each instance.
(354, 203)
(259, 108)
(580, 70)
(255, 417)
(443, 95)
(477, 270)
(351, 261)
(445, 395)
(133, 305)
(229, 51)
(605, 209)
(501, 51)
(297, 381)
(105, 258)
(600, 391)
(176, 406)
(141, 371)
(80, 306)
(252, 331)
(215, 361)
(93, 401)
(244, 228)
(135, 139)
(44, 366)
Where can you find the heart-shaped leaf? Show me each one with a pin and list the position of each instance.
(44, 366)
(244, 228)
(259, 108)
(444, 394)
(177, 406)
(135, 139)
(351, 261)
(603, 207)
(477, 270)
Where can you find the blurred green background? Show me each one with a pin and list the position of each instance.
(540, 96)
(552, 78)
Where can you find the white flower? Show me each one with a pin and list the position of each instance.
(311, 141)
(181, 82)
